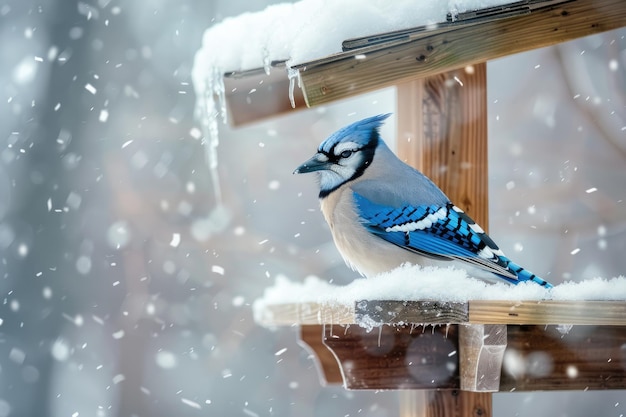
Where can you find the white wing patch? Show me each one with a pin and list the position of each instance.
(425, 223)
(486, 253)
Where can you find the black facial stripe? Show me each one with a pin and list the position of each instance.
(366, 153)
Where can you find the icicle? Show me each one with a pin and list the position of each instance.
(220, 91)
(292, 74)
(208, 113)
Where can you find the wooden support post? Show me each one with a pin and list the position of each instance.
(449, 403)
(481, 356)
(395, 357)
(327, 366)
(442, 131)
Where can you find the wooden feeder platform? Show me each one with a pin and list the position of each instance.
(447, 358)
(382, 344)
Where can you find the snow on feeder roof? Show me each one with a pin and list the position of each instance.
(309, 36)
(294, 33)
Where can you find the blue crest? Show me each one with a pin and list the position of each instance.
(360, 132)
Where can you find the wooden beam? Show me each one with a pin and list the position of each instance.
(255, 95)
(288, 314)
(426, 357)
(580, 313)
(480, 356)
(325, 361)
(398, 312)
(553, 358)
(447, 114)
(395, 357)
(593, 313)
(358, 71)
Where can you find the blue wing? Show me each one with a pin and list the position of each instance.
(439, 232)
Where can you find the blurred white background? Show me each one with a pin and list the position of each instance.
(115, 300)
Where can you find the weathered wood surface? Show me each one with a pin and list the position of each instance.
(481, 351)
(400, 312)
(427, 357)
(444, 135)
(447, 403)
(593, 313)
(590, 313)
(255, 95)
(327, 365)
(288, 314)
(546, 358)
(396, 357)
(343, 75)
(446, 114)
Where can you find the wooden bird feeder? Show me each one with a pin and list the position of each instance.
(448, 358)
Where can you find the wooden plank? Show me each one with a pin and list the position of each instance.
(255, 95)
(395, 357)
(288, 314)
(536, 357)
(410, 124)
(447, 403)
(400, 312)
(442, 126)
(325, 361)
(481, 351)
(589, 313)
(544, 358)
(442, 131)
(594, 313)
(343, 75)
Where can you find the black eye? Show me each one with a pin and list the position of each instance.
(345, 154)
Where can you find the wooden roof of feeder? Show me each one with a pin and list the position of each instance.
(383, 60)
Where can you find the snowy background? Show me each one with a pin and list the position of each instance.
(124, 293)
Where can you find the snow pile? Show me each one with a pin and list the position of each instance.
(415, 283)
(300, 32)
(311, 29)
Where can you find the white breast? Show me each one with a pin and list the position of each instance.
(362, 251)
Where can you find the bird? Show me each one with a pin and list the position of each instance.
(383, 213)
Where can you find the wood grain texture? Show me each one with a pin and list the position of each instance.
(459, 404)
(400, 312)
(395, 357)
(450, 147)
(442, 131)
(595, 313)
(591, 313)
(456, 156)
(342, 75)
(410, 122)
(256, 96)
(481, 351)
(544, 358)
(325, 361)
(446, 403)
(536, 357)
(288, 314)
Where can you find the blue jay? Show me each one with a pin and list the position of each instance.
(383, 213)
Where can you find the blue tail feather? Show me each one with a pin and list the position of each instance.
(523, 274)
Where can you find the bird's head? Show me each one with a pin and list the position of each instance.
(345, 155)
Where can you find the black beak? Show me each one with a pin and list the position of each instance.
(318, 162)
